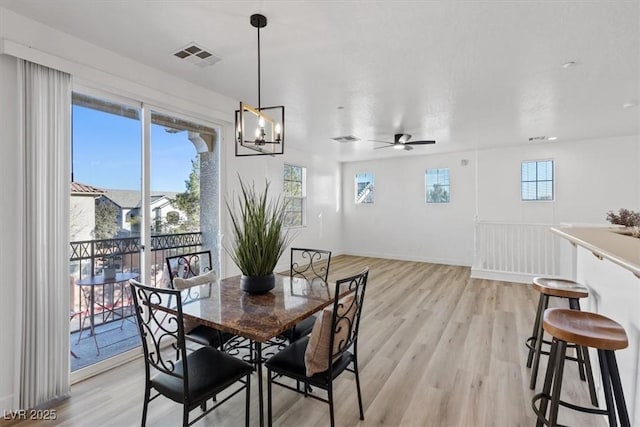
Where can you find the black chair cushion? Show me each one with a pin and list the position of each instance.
(206, 335)
(290, 362)
(301, 329)
(210, 371)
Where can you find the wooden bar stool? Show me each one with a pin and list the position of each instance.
(585, 330)
(561, 288)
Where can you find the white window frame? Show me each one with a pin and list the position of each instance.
(363, 200)
(446, 171)
(552, 180)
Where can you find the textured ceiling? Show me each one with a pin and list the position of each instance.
(468, 74)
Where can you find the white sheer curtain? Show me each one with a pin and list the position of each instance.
(43, 261)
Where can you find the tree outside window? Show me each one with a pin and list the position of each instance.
(437, 185)
(295, 193)
(188, 202)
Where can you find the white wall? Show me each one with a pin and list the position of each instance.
(102, 70)
(82, 221)
(592, 177)
(400, 224)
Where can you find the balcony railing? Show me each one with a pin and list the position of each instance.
(88, 258)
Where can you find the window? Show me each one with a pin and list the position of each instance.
(295, 193)
(437, 185)
(364, 188)
(537, 180)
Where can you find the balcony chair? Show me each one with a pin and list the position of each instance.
(188, 266)
(311, 265)
(320, 358)
(190, 379)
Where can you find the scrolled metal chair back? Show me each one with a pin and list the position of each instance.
(188, 265)
(161, 329)
(345, 320)
(311, 265)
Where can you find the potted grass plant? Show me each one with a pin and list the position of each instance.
(258, 237)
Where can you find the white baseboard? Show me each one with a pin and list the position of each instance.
(446, 261)
(503, 276)
(110, 363)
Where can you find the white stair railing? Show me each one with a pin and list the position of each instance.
(515, 252)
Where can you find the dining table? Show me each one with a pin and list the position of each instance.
(258, 318)
(88, 285)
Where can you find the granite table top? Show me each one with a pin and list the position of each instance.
(226, 307)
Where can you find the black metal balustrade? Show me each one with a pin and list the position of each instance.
(90, 257)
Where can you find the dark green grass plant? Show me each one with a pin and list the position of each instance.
(259, 237)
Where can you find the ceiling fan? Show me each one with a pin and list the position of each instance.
(401, 142)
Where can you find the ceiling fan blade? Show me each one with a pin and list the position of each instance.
(407, 147)
(384, 142)
(419, 142)
(386, 146)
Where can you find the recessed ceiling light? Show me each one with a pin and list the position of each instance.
(629, 105)
(569, 64)
(552, 138)
(340, 107)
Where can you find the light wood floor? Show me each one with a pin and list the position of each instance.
(436, 349)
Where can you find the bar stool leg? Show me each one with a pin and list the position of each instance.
(617, 388)
(557, 382)
(546, 389)
(536, 325)
(538, 350)
(606, 386)
(590, 382)
(574, 304)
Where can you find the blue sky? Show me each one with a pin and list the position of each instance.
(107, 152)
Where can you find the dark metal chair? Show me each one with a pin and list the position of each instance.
(311, 265)
(190, 265)
(190, 379)
(342, 336)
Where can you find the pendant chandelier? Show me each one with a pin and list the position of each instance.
(259, 131)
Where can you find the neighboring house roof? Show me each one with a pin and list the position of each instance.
(77, 188)
(129, 199)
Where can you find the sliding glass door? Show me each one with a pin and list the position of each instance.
(105, 221)
(184, 190)
(112, 240)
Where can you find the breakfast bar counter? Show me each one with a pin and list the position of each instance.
(607, 262)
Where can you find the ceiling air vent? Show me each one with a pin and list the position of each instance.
(537, 138)
(197, 55)
(348, 138)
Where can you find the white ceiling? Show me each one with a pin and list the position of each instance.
(468, 74)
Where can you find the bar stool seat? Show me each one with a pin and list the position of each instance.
(583, 329)
(560, 288)
(586, 329)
